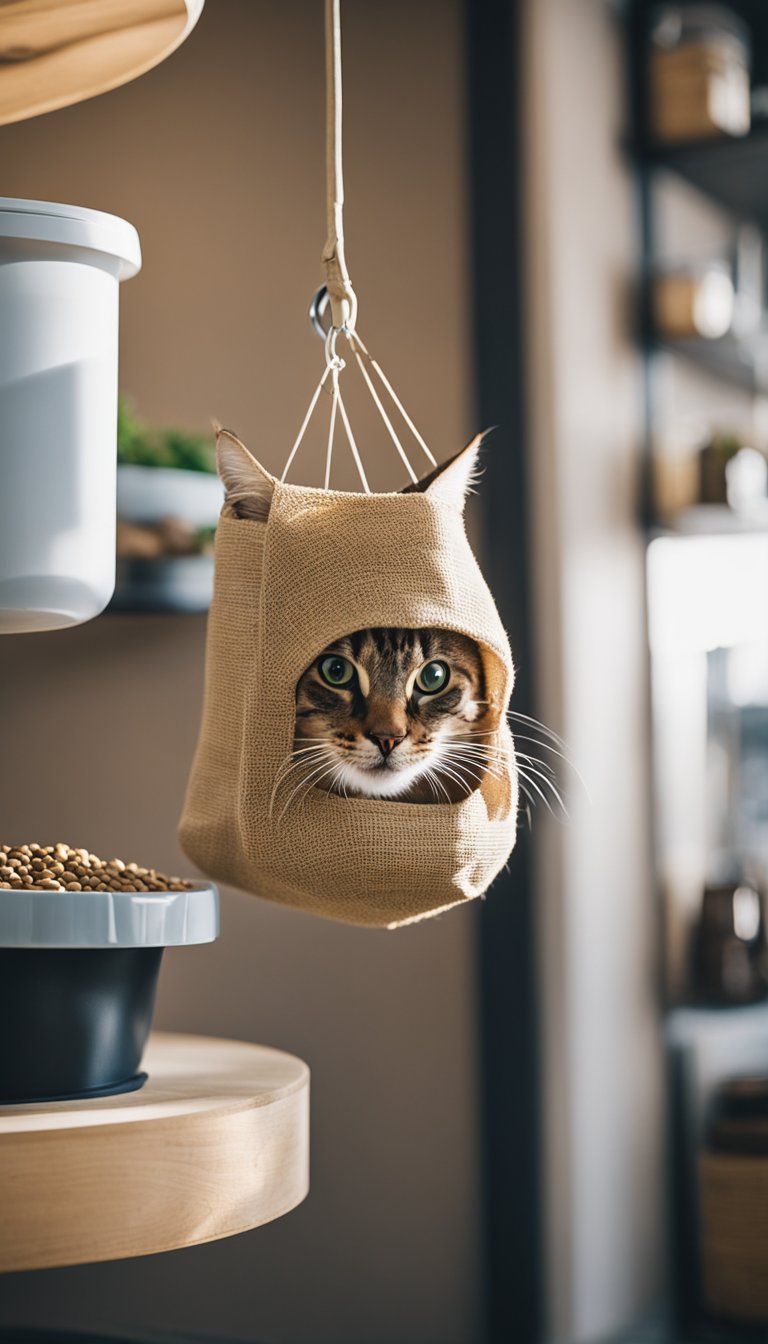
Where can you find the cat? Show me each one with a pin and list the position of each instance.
(382, 713)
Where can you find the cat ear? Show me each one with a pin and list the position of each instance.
(249, 487)
(452, 481)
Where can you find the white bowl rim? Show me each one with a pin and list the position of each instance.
(33, 918)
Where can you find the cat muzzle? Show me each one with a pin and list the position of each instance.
(386, 745)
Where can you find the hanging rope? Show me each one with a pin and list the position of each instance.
(338, 284)
(340, 294)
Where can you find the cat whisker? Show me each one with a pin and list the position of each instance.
(529, 721)
(459, 755)
(487, 749)
(563, 756)
(531, 800)
(547, 780)
(535, 725)
(297, 759)
(298, 752)
(312, 783)
(526, 807)
(322, 769)
(436, 783)
(470, 740)
(292, 765)
(524, 775)
(275, 789)
(338, 784)
(444, 769)
(484, 753)
(546, 746)
(534, 760)
(456, 780)
(479, 771)
(281, 780)
(342, 777)
(466, 763)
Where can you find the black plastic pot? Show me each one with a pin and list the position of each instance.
(75, 1020)
(78, 975)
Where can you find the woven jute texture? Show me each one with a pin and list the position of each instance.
(323, 565)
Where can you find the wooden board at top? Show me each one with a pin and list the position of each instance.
(56, 52)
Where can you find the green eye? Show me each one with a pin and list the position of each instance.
(336, 671)
(433, 677)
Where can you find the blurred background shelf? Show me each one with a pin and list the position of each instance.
(711, 520)
(731, 171)
(661, 1333)
(739, 362)
(182, 584)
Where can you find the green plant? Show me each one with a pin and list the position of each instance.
(724, 445)
(143, 445)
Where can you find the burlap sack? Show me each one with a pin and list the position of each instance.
(323, 565)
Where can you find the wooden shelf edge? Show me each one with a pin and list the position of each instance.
(215, 1144)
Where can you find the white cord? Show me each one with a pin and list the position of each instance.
(343, 299)
(353, 445)
(384, 416)
(377, 368)
(305, 422)
(331, 429)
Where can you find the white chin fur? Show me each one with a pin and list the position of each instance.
(379, 783)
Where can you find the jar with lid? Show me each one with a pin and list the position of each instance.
(699, 73)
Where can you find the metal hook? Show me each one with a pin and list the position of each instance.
(332, 359)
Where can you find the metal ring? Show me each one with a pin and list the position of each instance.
(318, 309)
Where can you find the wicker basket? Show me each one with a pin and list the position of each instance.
(733, 1192)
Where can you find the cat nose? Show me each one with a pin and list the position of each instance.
(385, 744)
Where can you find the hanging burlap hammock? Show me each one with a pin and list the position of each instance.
(324, 564)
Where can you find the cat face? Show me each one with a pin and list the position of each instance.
(381, 712)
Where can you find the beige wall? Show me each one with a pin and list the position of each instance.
(217, 158)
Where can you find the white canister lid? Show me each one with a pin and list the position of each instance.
(73, 226)
(105, 919)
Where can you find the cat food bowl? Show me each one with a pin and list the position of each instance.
(78, 974)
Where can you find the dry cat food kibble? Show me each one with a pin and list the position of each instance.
(62, 868)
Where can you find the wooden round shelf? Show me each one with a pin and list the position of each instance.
(216, 1142)
(57, 52)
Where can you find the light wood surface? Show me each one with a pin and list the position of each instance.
(215, 1143)
(55, 52)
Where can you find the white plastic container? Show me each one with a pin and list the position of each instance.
(60, 268)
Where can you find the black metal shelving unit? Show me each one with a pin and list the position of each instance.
(740, 363)
(731, 172)
(733, 175)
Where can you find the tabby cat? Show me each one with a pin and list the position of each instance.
(382, 713)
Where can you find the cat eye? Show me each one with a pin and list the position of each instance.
(336, 671)
(433, 677)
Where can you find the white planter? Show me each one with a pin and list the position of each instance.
(149, 494)
(60, 267)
